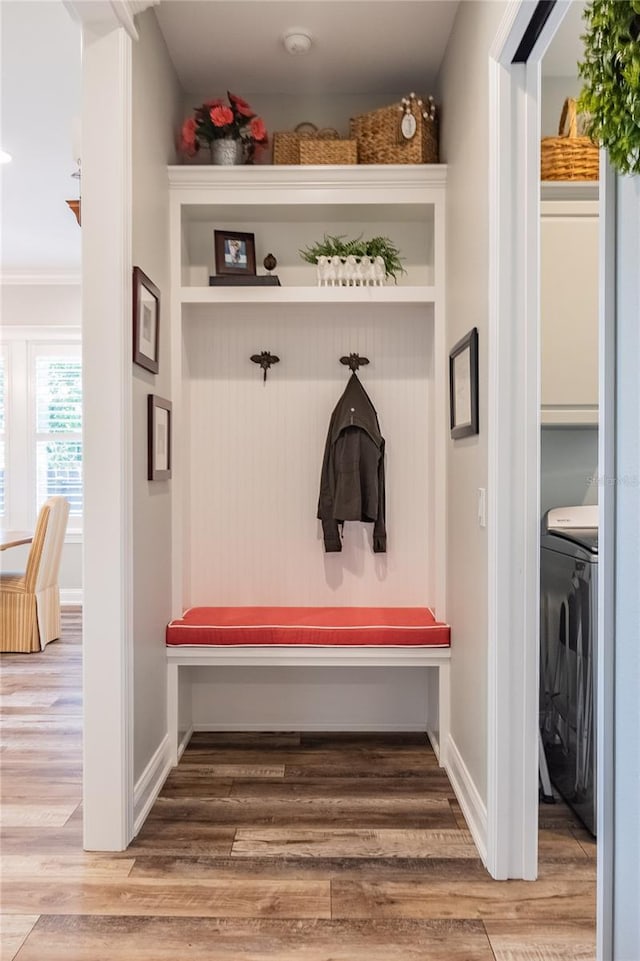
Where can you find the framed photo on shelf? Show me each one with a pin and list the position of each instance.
(235, 253)
(146, 322)
(158, 438)
(463, 386)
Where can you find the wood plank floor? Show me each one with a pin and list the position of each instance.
(281, 847)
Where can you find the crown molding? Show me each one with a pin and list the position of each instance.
(49, 277)
(101, 17)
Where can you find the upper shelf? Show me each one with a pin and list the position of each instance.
(389, 294)
(386, 186)
(569, 189)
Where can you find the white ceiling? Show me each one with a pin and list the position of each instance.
(41, 89)
(359, 46)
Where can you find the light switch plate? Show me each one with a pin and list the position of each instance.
(482, 506)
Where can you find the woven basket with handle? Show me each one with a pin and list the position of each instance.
(568, 156)
(286, 146)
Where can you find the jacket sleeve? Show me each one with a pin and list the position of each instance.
(331, 534)
(379, 528)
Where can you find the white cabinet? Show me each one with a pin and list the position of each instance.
(569, 308)
(248, 454)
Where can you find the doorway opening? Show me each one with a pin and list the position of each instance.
(569, 298)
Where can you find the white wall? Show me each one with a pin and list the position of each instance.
(464, 88)
(310, 699)
(555, 90)
(568, 467)
(156, 116)
(45, 305)
(41, 305)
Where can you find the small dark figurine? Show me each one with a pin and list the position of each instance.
(270, 263)
(265, 359)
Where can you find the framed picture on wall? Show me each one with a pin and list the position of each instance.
(463, 386)
(159, 438)
(146, 321)
(235, 253)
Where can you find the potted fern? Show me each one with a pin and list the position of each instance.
(338, 246)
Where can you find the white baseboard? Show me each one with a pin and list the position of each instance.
(71, 597)
(469, 799)
(150, 782)
(185, 740)
(261, 726)
(434, 738)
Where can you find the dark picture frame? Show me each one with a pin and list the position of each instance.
(159, 439)
(463, 386)
(146, 322)
(235, 253)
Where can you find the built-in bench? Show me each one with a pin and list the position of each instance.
(305, 637)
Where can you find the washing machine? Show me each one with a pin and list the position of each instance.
(568, 666)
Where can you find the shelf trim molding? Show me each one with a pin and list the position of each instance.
(295, 178)
(308, 295)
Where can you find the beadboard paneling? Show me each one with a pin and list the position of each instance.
(256, 452)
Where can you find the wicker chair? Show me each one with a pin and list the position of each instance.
(30, 601)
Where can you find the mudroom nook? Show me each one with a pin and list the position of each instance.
(248, 451)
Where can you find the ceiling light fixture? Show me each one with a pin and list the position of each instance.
(297, 41)
(75, 205)
(5, 158)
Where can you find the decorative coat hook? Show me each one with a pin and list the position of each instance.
(353, 361)
(265, 359)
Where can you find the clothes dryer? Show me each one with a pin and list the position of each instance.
(568, 667)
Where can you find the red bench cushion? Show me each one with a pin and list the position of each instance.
(325, 626)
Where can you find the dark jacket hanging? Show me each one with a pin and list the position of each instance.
(352, 480)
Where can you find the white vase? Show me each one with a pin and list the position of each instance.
(226, 151)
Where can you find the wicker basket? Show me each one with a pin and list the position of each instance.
(568, 156)
(380, 140)
(316, 151)
(286, 144)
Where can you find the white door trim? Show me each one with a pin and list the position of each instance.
(101, 16)
(619, 643)
(606, 559)
(514, 455)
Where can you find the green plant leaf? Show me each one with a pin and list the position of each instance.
(610, 98)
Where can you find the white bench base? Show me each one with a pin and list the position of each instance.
(178, 694)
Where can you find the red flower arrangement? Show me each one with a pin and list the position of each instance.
(215, 120)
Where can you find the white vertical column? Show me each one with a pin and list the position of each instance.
(606, 557)
(438, 559)
(106, 309)
(625, 657)
(179, 473)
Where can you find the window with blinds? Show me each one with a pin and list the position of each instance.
(58, 415)
(40, 424)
